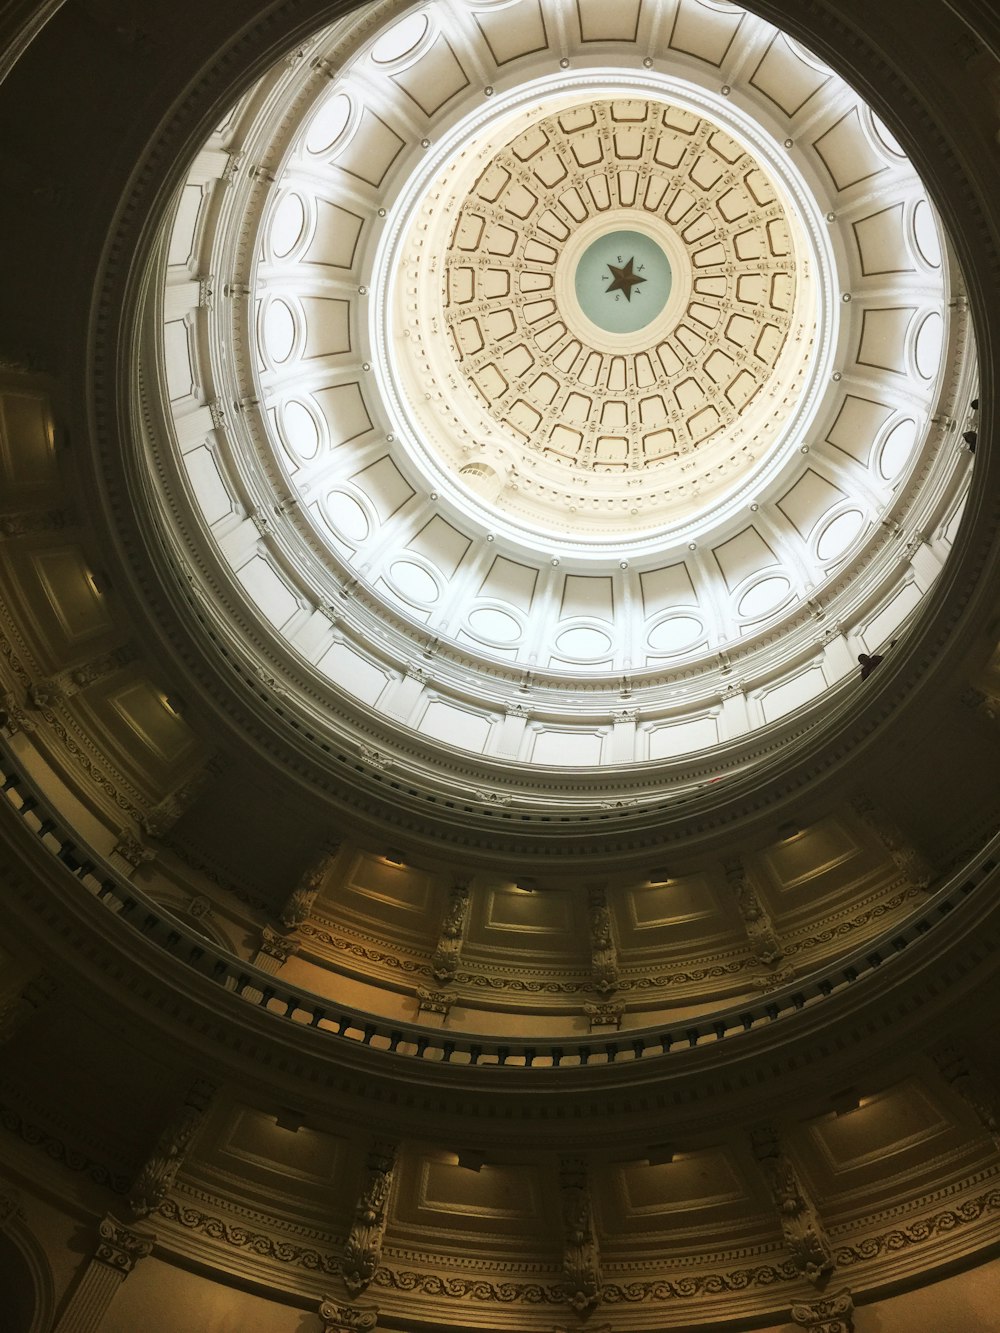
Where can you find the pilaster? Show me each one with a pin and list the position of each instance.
(119, 1249)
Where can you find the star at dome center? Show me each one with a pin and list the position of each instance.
(624, 279)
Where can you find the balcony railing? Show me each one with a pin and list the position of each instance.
(337, 1023)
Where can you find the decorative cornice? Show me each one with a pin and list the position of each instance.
(920, 1231)
(62, 1153)
(241, 1237)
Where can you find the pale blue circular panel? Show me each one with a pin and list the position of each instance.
(622, 281)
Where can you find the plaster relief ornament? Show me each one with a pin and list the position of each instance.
(603, 953)
(581, 1261)
(156, 1177)
(364, 1245)
(800, 1223)
(444, 962)
(302, 898)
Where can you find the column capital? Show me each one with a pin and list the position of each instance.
(121, 1246)
(279, 947)
(828, 1314)
(340, 1318)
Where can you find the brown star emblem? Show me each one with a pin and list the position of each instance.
(624, 279)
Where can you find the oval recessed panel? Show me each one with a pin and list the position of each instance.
(925, 234)
(763, 597)
(414, 583)
(897, 448)
(289, 219)
(927, 347)
(279, 331)
(583, 642)
(300, 430)
(493, 625)
(400, 40)
(886, 137)
(329, 124)
(674, 634)
(838, 534)
(347, 518)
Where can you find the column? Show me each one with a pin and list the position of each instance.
(274, 950)
(402, 700)
(510, 733)
(119, 1249)
(838, 661)
(623, 735)
(129, 853)
(735, 715)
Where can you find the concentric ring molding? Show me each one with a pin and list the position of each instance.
(369, 585)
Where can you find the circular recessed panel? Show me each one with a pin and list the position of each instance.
(925, 234)
(763, 597)
(300, 430)
(927, 347)
(347, 517)
(583, 642)
(328, 124)
(838, 535)
(286, 229)
(493, 625)
(896, 449)
(622, 281)
(413, 582)
(400, 40)
(675, 634)
(279, 331)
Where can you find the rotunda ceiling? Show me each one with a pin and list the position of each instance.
(569, 400)
(627, 312)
